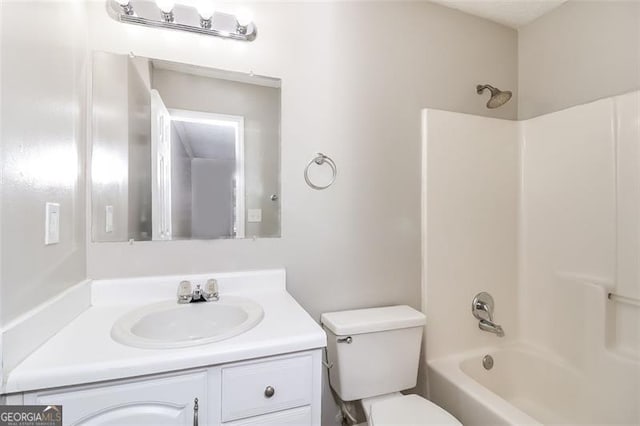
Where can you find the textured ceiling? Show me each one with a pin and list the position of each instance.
(512, 13)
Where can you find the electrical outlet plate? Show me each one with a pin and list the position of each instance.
(254, 215)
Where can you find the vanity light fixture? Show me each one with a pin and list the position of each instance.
(243, 19)
(125, 6)
(206, 11)
(167, 14)
(166, 9)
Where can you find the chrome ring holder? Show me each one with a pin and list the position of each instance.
(321, 159)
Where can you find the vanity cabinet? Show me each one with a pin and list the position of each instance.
(280, 390)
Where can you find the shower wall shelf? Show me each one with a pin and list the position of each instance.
(182, 18)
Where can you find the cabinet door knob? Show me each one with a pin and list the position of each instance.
(269, 391)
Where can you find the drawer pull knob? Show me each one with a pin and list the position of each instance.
(269, 391)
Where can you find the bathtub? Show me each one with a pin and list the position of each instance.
(525, 386)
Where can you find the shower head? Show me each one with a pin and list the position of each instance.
(498, 97)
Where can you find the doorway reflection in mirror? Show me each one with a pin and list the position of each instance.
(200, 149)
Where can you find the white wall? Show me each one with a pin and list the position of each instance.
(470, 226)
(579, 52)
(43, 146)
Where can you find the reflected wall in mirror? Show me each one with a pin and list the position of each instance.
(182, 152)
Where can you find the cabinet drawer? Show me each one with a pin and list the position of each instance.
(300, 416)
(244, 387)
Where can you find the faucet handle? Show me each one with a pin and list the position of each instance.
(184, 292)
(482, 306)
(211, 290)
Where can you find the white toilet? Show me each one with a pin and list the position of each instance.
(374, 355)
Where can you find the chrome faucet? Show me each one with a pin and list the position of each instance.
(482, 309)
(208, 294)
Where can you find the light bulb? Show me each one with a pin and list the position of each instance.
(244, 16)
(126, 6)
(165, 5)
(206, 9)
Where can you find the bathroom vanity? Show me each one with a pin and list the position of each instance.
(268, 375)
(266, 391)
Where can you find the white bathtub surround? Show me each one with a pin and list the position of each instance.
(578, 239)
(579, 224)
(530, 385)
(568, 223)
(470, 205)
(84, 352)
(627, 130)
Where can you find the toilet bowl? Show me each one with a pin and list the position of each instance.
(373, 354)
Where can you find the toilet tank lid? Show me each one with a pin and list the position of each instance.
(371, 320)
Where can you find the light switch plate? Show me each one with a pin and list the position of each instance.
(52, 223)
(254, 215)
(108, 219)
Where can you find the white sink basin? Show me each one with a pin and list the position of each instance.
(172, 325)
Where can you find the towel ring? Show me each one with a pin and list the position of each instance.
(321, 159)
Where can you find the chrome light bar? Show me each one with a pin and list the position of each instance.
(181, 17)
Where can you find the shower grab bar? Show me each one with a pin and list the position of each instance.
(623, 299)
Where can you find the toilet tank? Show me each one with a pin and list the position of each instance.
(373, 351)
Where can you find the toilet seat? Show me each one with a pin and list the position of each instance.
(409, 410)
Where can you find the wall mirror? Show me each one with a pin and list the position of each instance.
(182, 152)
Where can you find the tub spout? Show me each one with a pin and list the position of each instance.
(491, 327)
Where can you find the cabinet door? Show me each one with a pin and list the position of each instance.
(161, 401)
(160, 168)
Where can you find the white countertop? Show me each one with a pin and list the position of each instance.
(84, 352)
